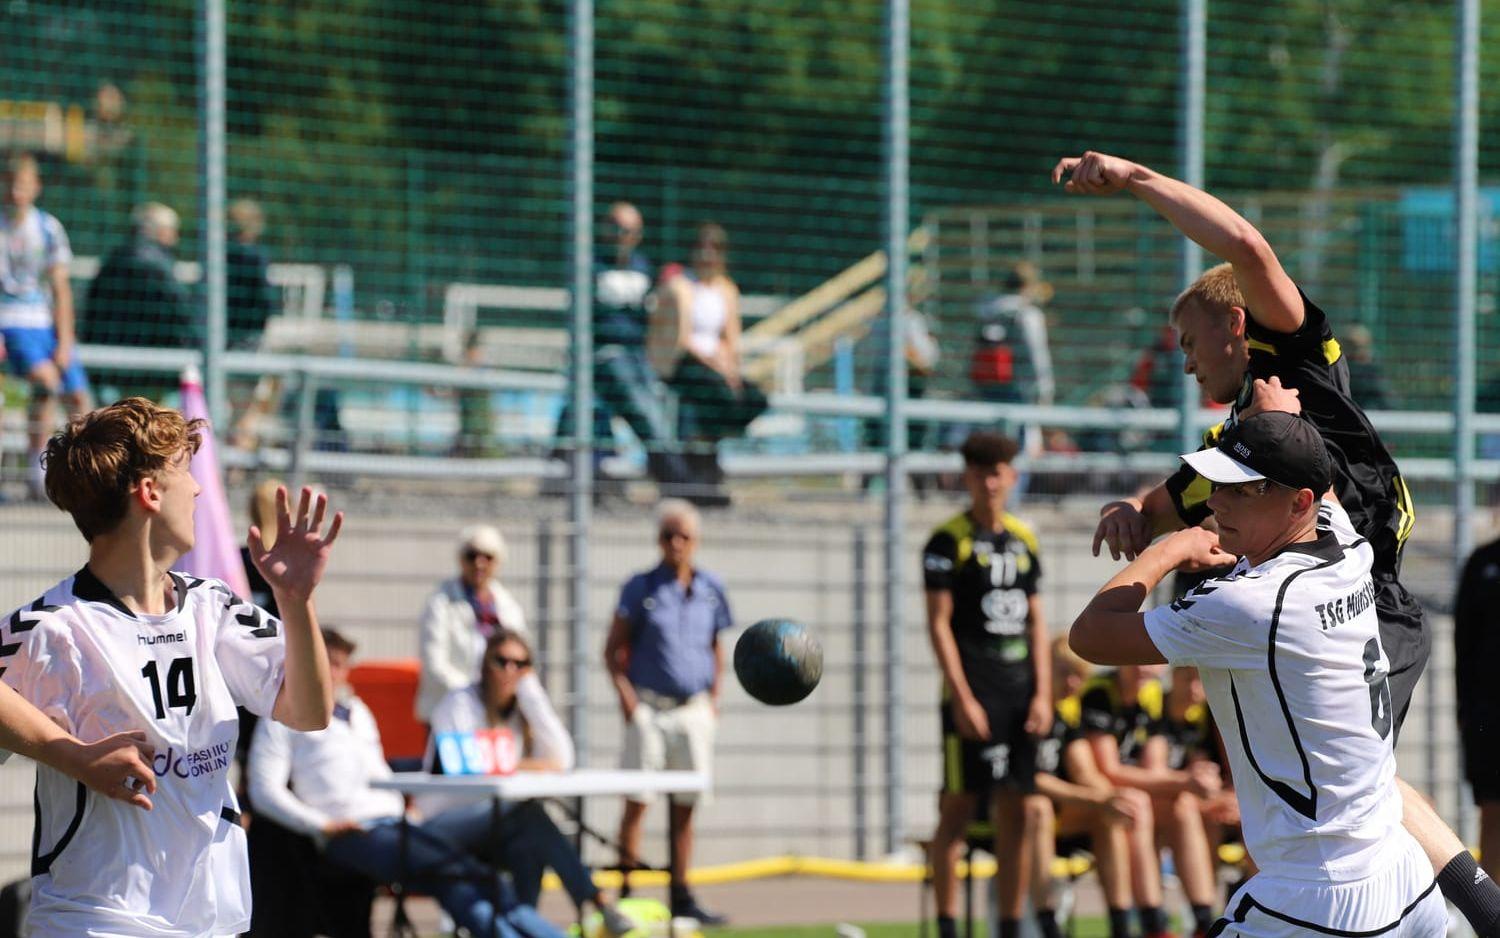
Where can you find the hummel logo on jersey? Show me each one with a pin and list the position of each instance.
(167, 638)
(1192, 596)
(21, 621)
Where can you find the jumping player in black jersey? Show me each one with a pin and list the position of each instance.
(984, 616)
(1255, 341)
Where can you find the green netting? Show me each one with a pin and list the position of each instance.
(412, 163)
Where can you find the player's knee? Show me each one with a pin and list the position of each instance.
(1037, 812)
(45, 382)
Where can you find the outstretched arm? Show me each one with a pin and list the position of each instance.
(1274, 301)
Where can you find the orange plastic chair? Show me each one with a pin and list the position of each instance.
(389, 689)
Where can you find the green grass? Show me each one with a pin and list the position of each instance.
(1087, 928)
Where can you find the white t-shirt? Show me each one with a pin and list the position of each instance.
(329, 770)
(1290, 657)
(29, 249)
(101, 866)
(533, 721)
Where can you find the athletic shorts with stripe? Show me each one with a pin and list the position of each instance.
(1400, 901)
(1007, 760)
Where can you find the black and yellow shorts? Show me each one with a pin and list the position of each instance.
(1007, 760)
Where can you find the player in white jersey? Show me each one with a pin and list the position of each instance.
(1288, 648)
(126, 644)
(36, 306)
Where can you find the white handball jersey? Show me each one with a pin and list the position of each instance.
(29, 249)
(1290, 657)
(101, 866)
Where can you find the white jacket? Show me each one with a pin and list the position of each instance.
(451, 644)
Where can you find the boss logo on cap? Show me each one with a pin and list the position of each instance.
(1242, 449)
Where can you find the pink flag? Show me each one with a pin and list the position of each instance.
(216, 549)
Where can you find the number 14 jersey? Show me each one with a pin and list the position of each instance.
(104, 867)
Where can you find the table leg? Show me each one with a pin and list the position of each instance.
(672, 851)
(401, 922)
(495, 846)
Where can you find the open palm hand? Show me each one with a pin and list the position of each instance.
(294, 564)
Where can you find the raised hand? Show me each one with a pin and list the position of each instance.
(294, 565)
(1093, 173)
(1123, 528)
(1196, 549)
(1271, 396)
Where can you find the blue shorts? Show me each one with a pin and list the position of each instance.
(27, 348)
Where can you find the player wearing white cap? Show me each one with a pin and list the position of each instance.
(1288, 647)
(126, 644)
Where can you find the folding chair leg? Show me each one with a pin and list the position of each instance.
(969, 891)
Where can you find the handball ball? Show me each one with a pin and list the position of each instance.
(778, 662)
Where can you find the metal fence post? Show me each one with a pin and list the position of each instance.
(211, 72)
(544, 596)
(1190, 142)
(860, 692)
(897, 137)
(581, 500)
(1466, 276)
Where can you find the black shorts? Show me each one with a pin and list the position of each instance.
(1481, 747)
(1007, 760)
(1406, 640)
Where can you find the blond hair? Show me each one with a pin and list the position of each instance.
(1216, 289)
(93, 462)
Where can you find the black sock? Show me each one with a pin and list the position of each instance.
(1470, 889)
(1010, 928)
(1203, 918)
(947, 928)
(1153, 919)
(1119, 923)
(1046, 923)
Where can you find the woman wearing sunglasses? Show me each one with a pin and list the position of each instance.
(509, 695)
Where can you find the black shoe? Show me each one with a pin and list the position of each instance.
(688, 907)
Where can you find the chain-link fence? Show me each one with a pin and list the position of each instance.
(396, 298)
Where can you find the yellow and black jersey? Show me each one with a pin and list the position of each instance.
(992, 576)
(1190, 737)
(1067, 728)
(1366, 479)
(1103, 710)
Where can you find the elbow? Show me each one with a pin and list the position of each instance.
(1083, 638)
(1248, 247)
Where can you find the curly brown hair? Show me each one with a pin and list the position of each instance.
(93, 462)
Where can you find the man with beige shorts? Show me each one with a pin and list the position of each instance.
(666, 661)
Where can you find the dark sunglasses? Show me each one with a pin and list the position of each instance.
(674, 536)
(472, 555)
(509, 664)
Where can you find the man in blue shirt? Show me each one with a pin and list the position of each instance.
(666, 661)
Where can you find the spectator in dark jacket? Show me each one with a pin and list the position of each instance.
(250, 299)
(137, 300)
